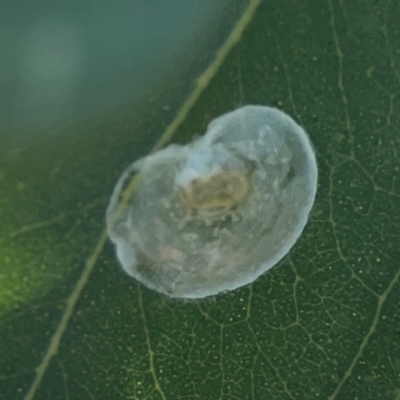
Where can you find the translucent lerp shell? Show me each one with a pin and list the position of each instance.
(215, 214)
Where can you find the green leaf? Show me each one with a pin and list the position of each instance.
(324, 324)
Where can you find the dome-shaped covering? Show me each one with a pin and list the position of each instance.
(215, 214)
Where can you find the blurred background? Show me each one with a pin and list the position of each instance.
(65, 60)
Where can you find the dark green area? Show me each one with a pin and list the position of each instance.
(323, 324)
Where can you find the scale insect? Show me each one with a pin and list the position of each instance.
(214, 215)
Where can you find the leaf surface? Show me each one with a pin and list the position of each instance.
(325, 323)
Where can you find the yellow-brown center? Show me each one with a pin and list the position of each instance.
(215, 194)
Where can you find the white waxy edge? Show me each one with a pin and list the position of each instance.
(187, 245)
